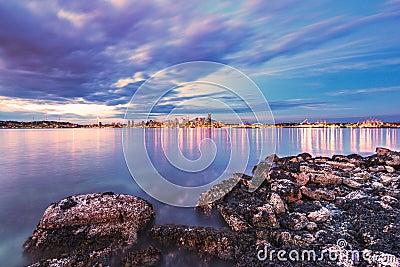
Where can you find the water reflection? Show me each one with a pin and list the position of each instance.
(39, 167)
(329, 141)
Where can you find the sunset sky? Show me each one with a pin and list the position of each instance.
(84, 60)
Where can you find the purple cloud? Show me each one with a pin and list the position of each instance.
(78, 51)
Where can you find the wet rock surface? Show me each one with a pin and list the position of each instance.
(150, 256)
(84, 229)
(304, 203)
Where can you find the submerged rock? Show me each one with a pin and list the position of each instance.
(84, 228)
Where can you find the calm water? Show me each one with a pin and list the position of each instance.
(39, 167)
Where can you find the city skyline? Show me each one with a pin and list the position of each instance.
(83, 62)
(196, 122)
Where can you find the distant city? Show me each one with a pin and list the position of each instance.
(198, 122)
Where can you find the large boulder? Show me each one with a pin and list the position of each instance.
(83, 228)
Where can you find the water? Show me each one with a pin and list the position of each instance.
(39, 167)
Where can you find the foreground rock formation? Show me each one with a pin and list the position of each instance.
(344, 209)
(344, 204)
(82, 230)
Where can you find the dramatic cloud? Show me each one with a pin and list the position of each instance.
(53, 108)
(99, 53)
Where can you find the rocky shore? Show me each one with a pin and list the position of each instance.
(347, 207)
(83, 230)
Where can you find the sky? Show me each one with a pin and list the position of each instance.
(83, 61)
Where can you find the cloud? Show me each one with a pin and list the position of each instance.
(61, 51)
(313, 35)
(296, 104)
(365, 91)
(51, 107)
(76, 50)
(137, 77)
(77, 19)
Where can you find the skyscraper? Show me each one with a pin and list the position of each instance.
(209, 119)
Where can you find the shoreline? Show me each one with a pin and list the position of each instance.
(234, 127)
(45, 124)
(303, 203)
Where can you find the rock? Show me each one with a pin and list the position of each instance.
(265, 217)
(382, 168)
(295, 221)
(326, 194)
(146, 257)
(320, 215)
(233, 219)
(262, 170)
(318, 194)
(93, 224)
(355, 195)
(340, 158)
(206, 241)
(379, 168)
(387, 180)
(389, 169)
(381, 151)
(243, 178)
(251, 183)
(287, 189)
(272, 158)
(311, 226)
(394, 161)
(277, 203)
(376, 226)
(304, 156)
(388, 157)
(341, 165)
(308, 202)
(351, 183)
(326, 178)
(321, 159)
(377, 185)
(74, 260)
(216, 192)
(301, 178)
(389, 199)
(299, 158)
(308, 168)
(302, 202)
(299, 239)
(310, 193)
(362, 176)
(356, 159)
